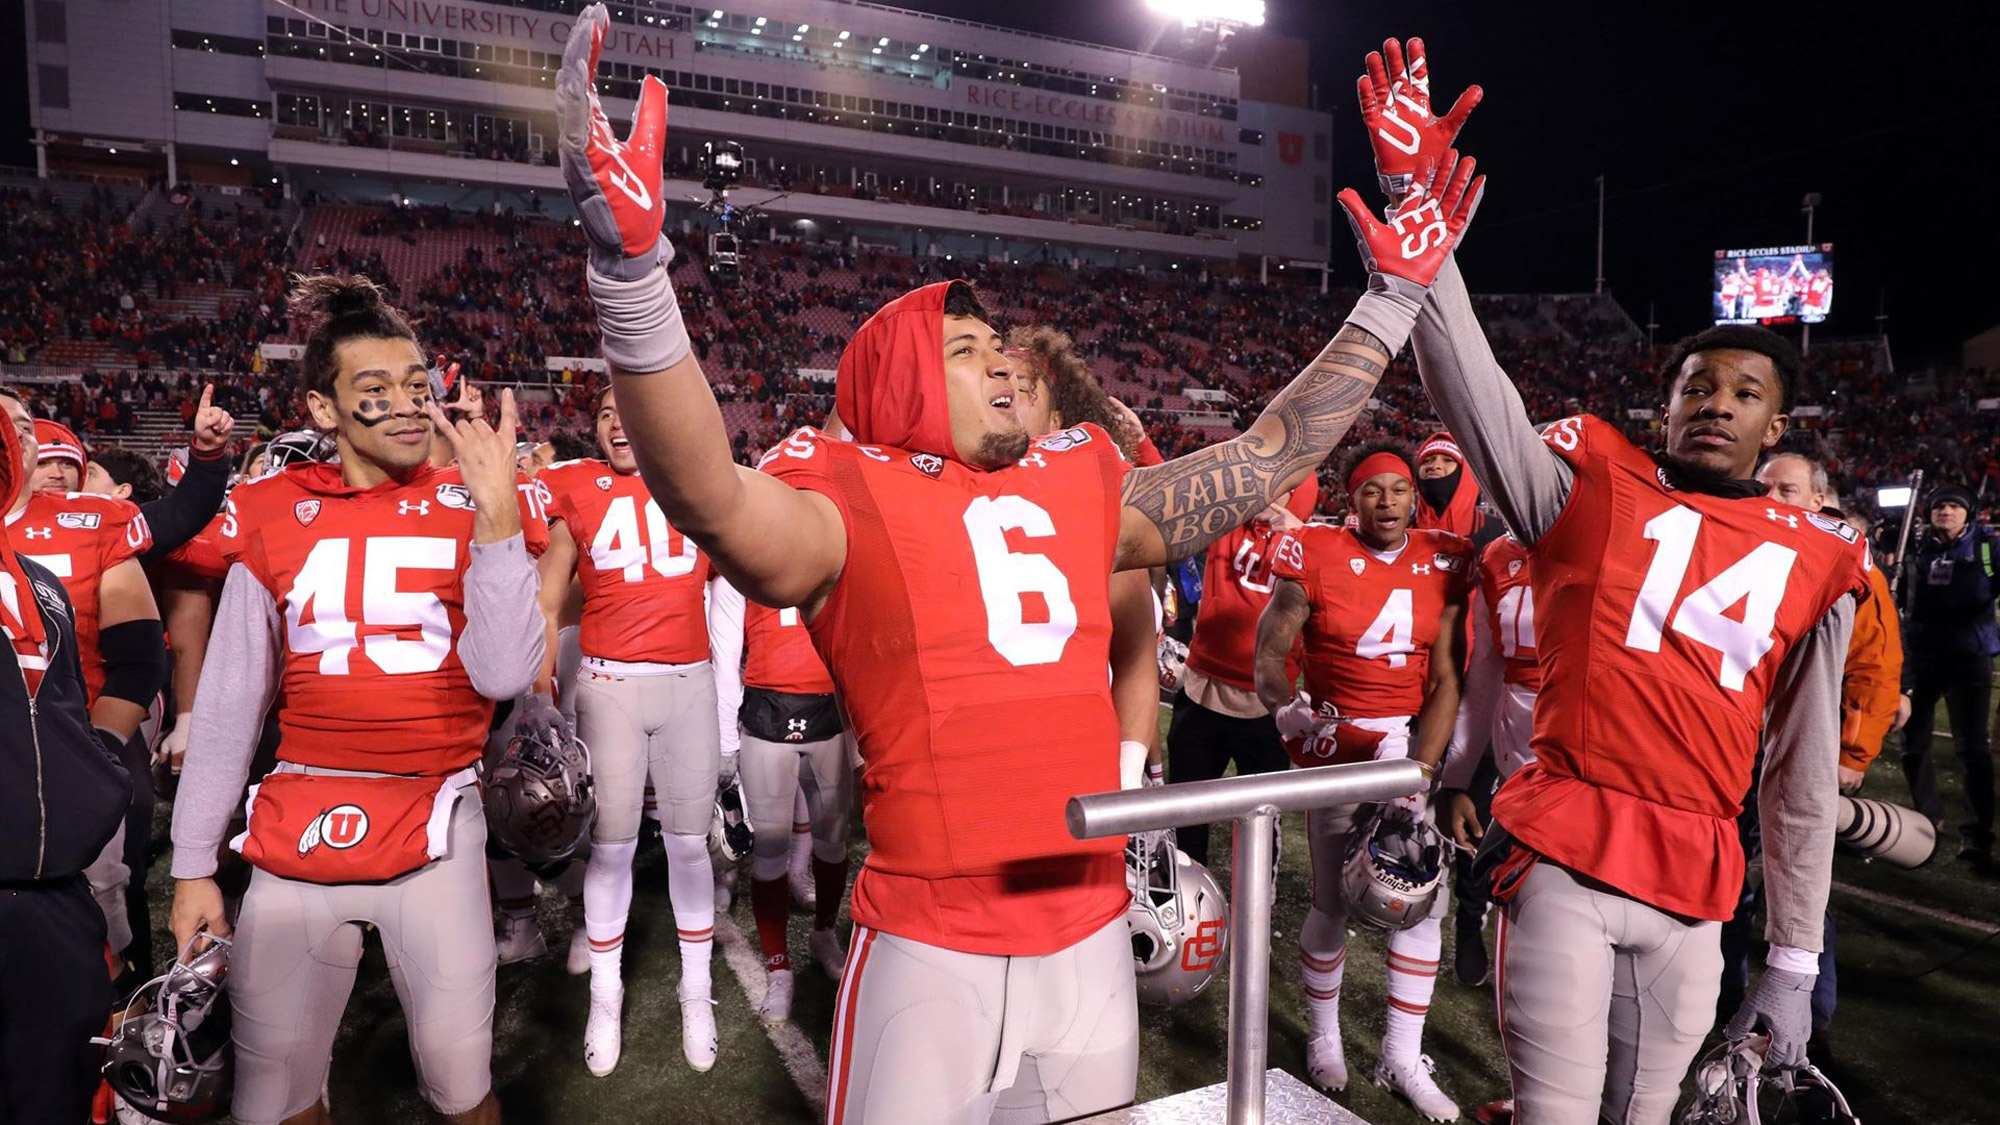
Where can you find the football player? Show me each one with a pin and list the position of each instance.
(954, 576)
(59, 458)
(392, 602)
(790, 730)
(1447, 498)
(1380, 607)
(646, 706)
(1685, 620)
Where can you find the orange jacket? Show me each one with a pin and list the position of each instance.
(1870, 688)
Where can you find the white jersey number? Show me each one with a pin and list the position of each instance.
(58, 565)
(1517, 620)
(316, 613)
(619, 545)
(1756, 581)
(1008, 577)
(1392, 631)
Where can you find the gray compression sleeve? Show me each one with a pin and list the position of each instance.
(1523, 478)
(1799, 795)
(505, 633)
(238, 681)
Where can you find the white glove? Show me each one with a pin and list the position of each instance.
(1296, 719)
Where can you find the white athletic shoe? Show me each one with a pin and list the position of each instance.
(1413, 1082)
(519, 939)
(801, 881)
(698, 1038)
(777, 997)
(827, 953)
(1326, 1062)
(602, 1039)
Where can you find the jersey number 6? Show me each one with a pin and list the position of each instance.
(1007, 578)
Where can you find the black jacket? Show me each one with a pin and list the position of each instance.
(1953, 591)
(62, 792)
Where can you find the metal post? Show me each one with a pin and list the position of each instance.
(1805, 332)
(1600, 236)
(1254, 803)
(1903, 538)
(1250, 963)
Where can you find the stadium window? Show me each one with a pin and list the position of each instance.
(791, 93)
(763, 90)
(1250, 136)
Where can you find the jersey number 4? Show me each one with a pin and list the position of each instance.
(316, 613)
(1757, 580)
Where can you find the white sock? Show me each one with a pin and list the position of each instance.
(1323, 960)
(691, 889)
(1413, 969)
(607, 899)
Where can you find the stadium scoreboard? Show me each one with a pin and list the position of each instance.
(1773, 285)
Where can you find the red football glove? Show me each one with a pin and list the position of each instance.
(1405, 253)
(614, 184)
(1396, 106)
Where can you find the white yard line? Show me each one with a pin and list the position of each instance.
(1880, 899)
(794, 1049)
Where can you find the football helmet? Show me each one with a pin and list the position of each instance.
(1394, 869)
(729, 831)
(540, 799)
(1179, 920)
(299, 447)
(169, 1056)
(1731, 1087)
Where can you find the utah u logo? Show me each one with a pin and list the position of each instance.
(1291, 147)
(340, 827)
(1204, 948)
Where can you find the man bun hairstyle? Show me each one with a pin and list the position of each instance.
(1784, 357)
(340, 307)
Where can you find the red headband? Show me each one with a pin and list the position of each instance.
(1440, 443)
(1374, 465)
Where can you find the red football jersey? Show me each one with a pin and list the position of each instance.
(1665, 616)
(203, 554)
(1235, 588)
(1819, 292)
(79, 536)
(1374, 617)
(371, 586)
(642, 580)
(969, 639)
(778, 653)
(1510, 609)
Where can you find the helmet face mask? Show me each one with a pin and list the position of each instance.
(170, 1055)
(1732, 1087)
(540, 799)
(730, 833)
(1179, 921)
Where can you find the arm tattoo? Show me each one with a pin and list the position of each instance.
(1195, 500)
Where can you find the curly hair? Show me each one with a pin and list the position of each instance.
(1074, 393)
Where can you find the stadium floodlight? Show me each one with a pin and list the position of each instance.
(1898, 497)
(1248, 13)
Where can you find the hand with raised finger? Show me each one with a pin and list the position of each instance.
(212, 424)
(1407, 138)
(485, 455)
(615, 184)
(1404, 254)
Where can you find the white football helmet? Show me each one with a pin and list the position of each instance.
(170, 1055)
(1179, 919)
(540, 797)
(1394, 869)
(1731, 1087)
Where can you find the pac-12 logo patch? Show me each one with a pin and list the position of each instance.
(604, 483)
(929, 464)
(340, 827)
(1513, 567)
(1357, 566)
(306, 511)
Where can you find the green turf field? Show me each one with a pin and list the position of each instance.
(1918, 1023)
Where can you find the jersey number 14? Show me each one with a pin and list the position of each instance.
(1757, 580)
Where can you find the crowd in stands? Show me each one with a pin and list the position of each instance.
(515, 301)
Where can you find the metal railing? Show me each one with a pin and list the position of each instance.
(1254, 803)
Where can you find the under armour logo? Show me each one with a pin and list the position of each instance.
(413, 507)
(1420, 568)
(40, 533)
(1775, 514)
(795, 730)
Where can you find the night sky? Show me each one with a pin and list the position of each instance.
(1709, 122)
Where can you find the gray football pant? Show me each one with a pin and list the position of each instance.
(660, 727)
(1603, 1001)
(923, 1034)
(297, 947)
(771, 775)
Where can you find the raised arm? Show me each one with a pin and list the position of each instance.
(1176, 509)
(778, 545)
(1135, 673)
(1528, 483)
